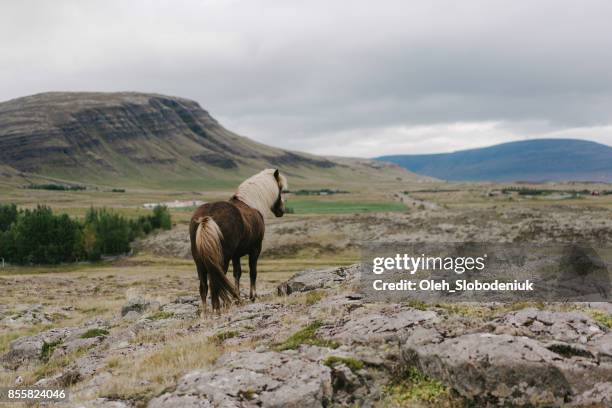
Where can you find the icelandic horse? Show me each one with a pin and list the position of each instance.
(224, 231)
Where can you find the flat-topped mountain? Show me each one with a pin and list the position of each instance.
(147, 139)
(529, 160)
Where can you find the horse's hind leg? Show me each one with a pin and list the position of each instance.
(237, 272)
(202, 275)
(253, 256)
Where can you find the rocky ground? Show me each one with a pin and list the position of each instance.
(129, 332)
(317, 342)
(333, 234)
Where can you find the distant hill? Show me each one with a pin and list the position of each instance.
(150, 140)
(529, 160)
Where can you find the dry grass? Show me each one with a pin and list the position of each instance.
(51, 367)
(42, 369)
(7, 379)
(141, 377)
(8, 335)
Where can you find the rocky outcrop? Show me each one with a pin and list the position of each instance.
(541, 359)
(53, 343)
(483, 366)
(323, 344)
(570, 327)
(251, 379)
(316, 279)
(367, 326)
(184, 308)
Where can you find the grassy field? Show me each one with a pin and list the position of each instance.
(321, 206)
(486, 195)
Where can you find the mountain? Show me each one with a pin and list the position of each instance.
(529, 160)
(138, 139)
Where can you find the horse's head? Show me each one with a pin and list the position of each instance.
(278, 209)
(264, 192)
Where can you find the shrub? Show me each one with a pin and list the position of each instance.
(40, 237)
(112, 231)
(161, 218)
(56, 187)
(8, 215)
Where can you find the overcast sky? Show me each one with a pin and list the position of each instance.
(333, 77)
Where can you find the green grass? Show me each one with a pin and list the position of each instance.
(94, 333)
(161, 315)
(603, 318)
(352, 363)
(47, 350)
(342, 207)
(48, 368)
(413, 387)
(306, 336)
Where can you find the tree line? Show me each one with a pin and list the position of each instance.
(38, 236)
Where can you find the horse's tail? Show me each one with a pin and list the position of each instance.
(208, 245)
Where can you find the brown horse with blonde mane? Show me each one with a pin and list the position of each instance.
(227, 230)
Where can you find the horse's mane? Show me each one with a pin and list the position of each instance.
(261, 191)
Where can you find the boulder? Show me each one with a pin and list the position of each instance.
(54, 343)
(181, 310)
(506, 369)
(254, 321)
(602, 347)
(252, 379)
(336, 305)
(317, 279)
(30, 348)
(368, 326)
(571, 327)
(598, 396)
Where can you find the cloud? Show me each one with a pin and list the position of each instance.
(343, 77)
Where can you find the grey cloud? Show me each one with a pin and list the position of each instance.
(306, 75)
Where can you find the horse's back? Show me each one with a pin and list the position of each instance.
(242, 227)
(225, 215)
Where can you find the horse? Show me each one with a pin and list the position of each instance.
(227, 230)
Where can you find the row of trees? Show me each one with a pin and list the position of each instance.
(40, 237)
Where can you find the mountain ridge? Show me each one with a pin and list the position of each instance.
(535, 160)
(133, 138)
